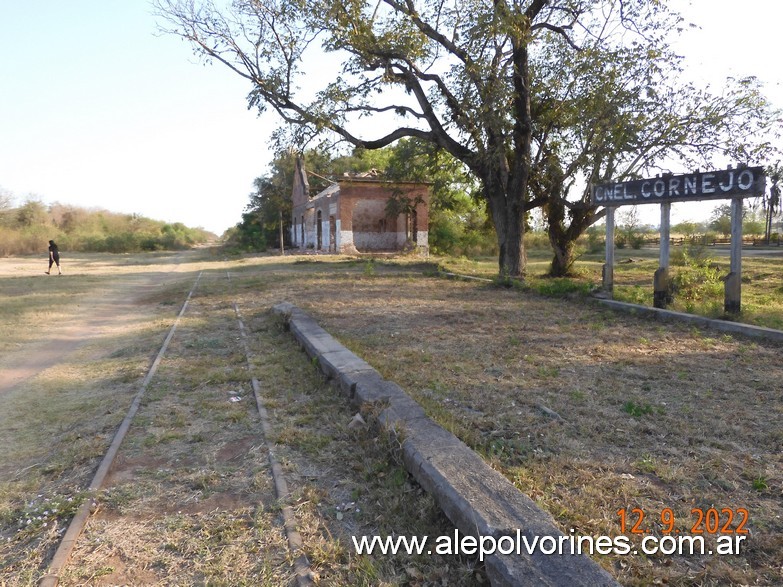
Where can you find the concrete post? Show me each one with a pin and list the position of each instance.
(661, 293)
(608, 269)
(733, 293)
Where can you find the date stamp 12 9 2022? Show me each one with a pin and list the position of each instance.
(710, 521)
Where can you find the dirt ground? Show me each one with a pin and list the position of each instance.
(101, 313)
(190, 499)
(588, 412)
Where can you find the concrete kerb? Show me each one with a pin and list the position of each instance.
(335, 361)
(748, 330)
(367, 381)
(476, 498)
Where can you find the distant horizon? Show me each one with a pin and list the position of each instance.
(15, 205)
(104, 111)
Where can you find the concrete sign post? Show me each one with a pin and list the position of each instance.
(731, 302)
(739, 183)
(661, 292)
(608, 269)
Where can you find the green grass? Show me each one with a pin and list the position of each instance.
(637, 410)
(700, 282)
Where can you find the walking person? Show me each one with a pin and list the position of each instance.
(54, 257)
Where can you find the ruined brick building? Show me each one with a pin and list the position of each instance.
(354, 214)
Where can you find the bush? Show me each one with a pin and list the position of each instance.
(637, 241)
(596, 241)
(708, 237)
(444, 235)
(537, 241)
(449, 235)
(698, 276)
(27, 230)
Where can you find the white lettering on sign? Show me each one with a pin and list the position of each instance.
(690, 185)
(745, 179)
(731, 183)
(706, 183)
(727, 186)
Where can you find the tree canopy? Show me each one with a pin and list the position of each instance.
(537, 98)
(614, 111)
(457, 220)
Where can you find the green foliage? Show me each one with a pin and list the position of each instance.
(369, 268)
(615, 112)
(637, 410)
(688, 229)
(720, 219)
(630, 231)
(27, 230)
(697, 276)
(752, 220)
(596, 239)
(760, 484)
(561, 287)
(31, 213)
(270, 200)
(458, 223)
(463, 230)
(539, 100)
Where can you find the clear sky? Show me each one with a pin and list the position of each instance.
(736, 39)
(98, 110)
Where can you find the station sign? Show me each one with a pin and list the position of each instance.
(744, 182)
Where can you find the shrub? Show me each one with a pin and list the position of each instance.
(698, 276)
(26, 230)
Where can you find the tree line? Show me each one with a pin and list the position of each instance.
(27, 228)
(459, 222)
(630, 232)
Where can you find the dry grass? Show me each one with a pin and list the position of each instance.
(347, 482)
(651, 416)
(190, 498)
(57, 424)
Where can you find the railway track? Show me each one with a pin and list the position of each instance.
(196, 485)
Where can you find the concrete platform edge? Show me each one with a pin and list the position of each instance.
(478, 500)
(737, 328)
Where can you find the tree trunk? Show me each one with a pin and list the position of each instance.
(563, 248)
(563, 238)
(507, 216)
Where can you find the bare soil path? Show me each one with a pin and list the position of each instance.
(102, 312)
(190, 499)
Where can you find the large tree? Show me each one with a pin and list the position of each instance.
(541, 94)
(455, 73)
(620, 108)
